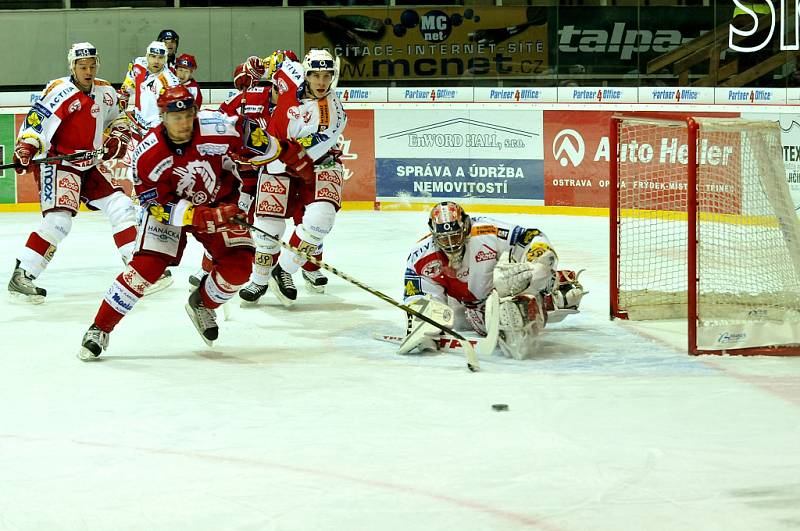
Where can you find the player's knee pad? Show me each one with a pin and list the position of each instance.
(55, 226)
(317, 222)
(119, 209)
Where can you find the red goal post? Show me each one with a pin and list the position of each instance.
(709, 234)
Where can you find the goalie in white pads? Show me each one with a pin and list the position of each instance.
(452, 271)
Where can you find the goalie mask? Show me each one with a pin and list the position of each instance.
(450, 226)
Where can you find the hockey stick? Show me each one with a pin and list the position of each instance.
(472, 356)
(81, 155)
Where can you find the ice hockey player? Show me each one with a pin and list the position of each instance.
(71, 116)
(185, 65)
(147, 77)
(307, 188)
(250, 104)
(464, 258)
(186, 182)
(171, 40)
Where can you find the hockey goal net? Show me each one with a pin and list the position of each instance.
(708, 234)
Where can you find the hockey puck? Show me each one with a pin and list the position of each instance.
(500, 407)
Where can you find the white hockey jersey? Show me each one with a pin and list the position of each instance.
(315, 123)
(145, 86)
(428, 271)
(66, 120)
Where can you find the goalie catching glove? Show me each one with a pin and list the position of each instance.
(420, 334)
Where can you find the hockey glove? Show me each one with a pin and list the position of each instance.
(117, 142)
(206, 219)
(23, 153)
(123, 97)
(297, 161)
(254, 68)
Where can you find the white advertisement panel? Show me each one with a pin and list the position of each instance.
(487, 154)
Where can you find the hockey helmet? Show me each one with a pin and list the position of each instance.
(168, 35)
(186, 61)
(81, 50)
(177, 98)
(156, 48)
(450, 227)
(319, 59)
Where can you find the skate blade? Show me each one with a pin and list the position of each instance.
(84, 354)
(29, 299)
(277, 292)
(312, 288)
(159, 285)
(190, 313)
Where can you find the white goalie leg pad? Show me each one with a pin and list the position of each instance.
(521, 321)
(317, 223)
(422, 335)
(266, 249)
(53, 229)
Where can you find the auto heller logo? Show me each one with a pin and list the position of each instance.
(569, 147)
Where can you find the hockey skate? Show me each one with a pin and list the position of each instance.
(315, 281)
(204, 319)
(283, 286)
(95, 341)
(21, 286)
(252, 292)
(163, 282)
(196, 278)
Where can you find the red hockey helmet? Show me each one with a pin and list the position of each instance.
(176, 98)
(186, 61)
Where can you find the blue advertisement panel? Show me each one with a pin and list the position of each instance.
(479, 178)
(480, 154)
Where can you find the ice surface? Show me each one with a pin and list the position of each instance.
(298, 420)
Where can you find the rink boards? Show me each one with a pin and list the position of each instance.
(509, 150)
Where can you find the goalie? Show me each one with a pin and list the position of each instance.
(452, 271)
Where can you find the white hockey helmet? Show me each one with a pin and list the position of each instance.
(156, 48)
(319, 59)
(81, 50)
